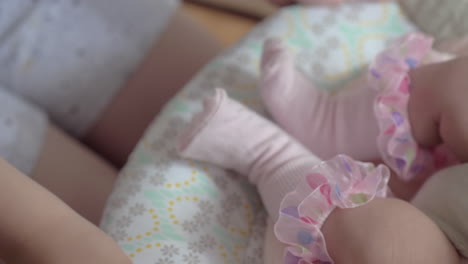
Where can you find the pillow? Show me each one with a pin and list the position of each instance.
(165, 210)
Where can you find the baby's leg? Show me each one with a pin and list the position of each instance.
(36, 227)
(386, 231)
(180, 52)
(231, 136)
(75, 174)
(53, 159)
(326, 123)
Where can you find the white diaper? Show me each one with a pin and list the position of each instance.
(71, 56)
(22, 130)
(68, 57)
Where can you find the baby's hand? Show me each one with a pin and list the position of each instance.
(438, 107)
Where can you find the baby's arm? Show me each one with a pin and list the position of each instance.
(438, 108)
(386, 231)
(36, 227)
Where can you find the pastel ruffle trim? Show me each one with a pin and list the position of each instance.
(388, 74)
(340, 182)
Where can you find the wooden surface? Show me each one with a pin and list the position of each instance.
(227, 27)
(257, 8)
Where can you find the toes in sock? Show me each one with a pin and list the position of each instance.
(327, 124)
(231, 136)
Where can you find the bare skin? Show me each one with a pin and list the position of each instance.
(133, 105)
(437, 108)
(384, 231)
(37, 227)
(437, 112)
(80, 178)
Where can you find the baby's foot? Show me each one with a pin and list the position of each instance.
(187, 140)
(232, 136)
(327, 124)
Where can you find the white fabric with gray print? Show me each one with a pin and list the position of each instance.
(22, 128)
(70, 57)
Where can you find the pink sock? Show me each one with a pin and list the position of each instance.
(231, 136)
(325, 123)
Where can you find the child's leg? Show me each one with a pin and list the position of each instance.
(76, 175)
(180, 52)
(231, 136)
(34, 146)
(36, 227)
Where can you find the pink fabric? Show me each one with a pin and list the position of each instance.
(325, 123)
(228, 134)
(340, 182)
(231, 136)
(388, 74)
